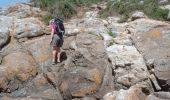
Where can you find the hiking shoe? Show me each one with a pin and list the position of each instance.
(58, 61)
(53, 63)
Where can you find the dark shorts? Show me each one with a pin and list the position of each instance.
(57, 41)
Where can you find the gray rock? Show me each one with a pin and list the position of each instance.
(137, 15)
(5, 23)
(40, 50)
(4, 37)
(166, 7)
(163, 2)
(159, 96)
(153, 43)
(28, 27)
(22, 11)
(128, 64)
(134, 93)
(88, 62)
(155, 82)
(168, 18)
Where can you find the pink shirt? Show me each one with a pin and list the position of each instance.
(53, 27)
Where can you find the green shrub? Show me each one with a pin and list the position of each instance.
(62, 8)
(125, 8)
(151, 9)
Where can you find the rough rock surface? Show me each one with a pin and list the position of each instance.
(153, 43)
(134, 93)
(5, 23)
(23, 11)
(98, 56)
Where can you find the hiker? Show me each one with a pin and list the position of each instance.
(56, 39)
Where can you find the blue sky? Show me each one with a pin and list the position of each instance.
(5, 3)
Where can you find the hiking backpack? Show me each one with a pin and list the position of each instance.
(60, 26)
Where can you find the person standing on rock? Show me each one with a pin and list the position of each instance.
(56, 40)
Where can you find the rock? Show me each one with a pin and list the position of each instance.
(4, 37)
(69, 43)
(95, 26)
(91, 14)
(38, 88)
(20, 65)
(16, 68)
(150, 63)
(134, 93)
(167, 7)
(140, 25)
(26, 98)
(28, 27)
(73, 27)
(23, 11)
(85, 98)
(73, 45)
(83, 66)
(159, 96)
(75, 82)
(40, 50)
(164, 95)
(128, 64)
(73, 32)
(168, 18)
(137, 15)
(4, 76)
(153, 43)
(163, 2)
(0, 58)
(123, 39)
(5, 23)
(88, 98)
(155, 82)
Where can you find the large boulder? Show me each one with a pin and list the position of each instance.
(88, 70)
(134, 93)
(37, 89)
(40, 49)
(153, 43)
(23, 11)
(16, 68)
(28, 27)
(20, 65)
(5, 23)
(128, 65)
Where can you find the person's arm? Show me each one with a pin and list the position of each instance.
(52, 34)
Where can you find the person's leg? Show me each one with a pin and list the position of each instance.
(54, 52)
(58, 54)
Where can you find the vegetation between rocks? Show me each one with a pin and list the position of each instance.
(62, 8)
(125, 8)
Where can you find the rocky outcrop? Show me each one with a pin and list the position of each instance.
(134, 93)
(40, 50)
(153, 43)
(159, 96)
(23, 11)
(128, 65)
(5, 23)
(98, 56)
(87, 69)
(28, 27)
